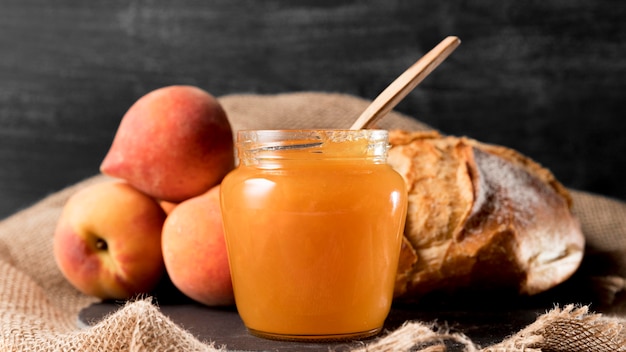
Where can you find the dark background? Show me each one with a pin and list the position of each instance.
(547, 78)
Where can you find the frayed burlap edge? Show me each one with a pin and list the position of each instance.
(146, 329)
(569, 329)
(137, 326)
(419, 337)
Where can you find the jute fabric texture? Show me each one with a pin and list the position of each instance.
(39, 309)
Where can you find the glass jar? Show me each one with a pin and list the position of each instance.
(313, 221)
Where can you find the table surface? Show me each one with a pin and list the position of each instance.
(486, 317)
(224, 327)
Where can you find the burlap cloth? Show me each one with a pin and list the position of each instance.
(38, 308)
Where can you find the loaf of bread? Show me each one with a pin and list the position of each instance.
(480, 217)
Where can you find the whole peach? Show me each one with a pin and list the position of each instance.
(194, 250)
(107, 242)
(173, 143)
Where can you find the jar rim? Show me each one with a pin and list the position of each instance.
(315, 143)
(273, 135)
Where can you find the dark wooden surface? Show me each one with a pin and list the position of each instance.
(485, 317)
(224, 327)
(547, 78)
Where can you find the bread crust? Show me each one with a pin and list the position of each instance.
(481, 217)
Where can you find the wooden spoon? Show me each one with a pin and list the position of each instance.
(405, 83)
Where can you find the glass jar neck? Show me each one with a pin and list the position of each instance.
(256, 147)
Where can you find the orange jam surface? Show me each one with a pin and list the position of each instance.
(313, 245)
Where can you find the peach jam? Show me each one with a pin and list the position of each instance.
(313, 221)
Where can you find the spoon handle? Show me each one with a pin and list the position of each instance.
(405, 83)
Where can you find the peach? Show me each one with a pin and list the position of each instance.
(107, 242)
(167, 206)
(173, 143)
(194, 250)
